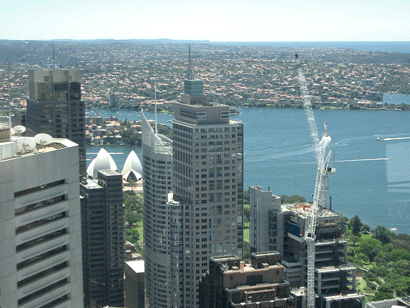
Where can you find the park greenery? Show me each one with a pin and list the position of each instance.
(382, 257)
(133, 204)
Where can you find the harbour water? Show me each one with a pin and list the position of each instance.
(372, 177)
(383, 46)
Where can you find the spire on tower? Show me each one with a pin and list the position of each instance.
(190, 73)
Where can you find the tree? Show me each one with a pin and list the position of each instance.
(133, 201)
(366, 228)
(246, 250)
(132, 235)
(132, 217)
(355, 224)
(383, 234)
(246, 197)
(400, 254)
(246, 213)
(355, 239)
(370, 247)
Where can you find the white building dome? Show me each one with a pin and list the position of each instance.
(132, 167)
(101, 162)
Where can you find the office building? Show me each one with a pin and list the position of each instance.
(162, 229)
(199, 213)
(55, 107)
(102, 216)
(40, 224)
(233, 283)
(208, 181)
(134, 284)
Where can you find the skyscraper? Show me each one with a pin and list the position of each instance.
(208, 179)
(157, 177)
(102, 216)
(40, 224)
(55, 107)
(203, 216)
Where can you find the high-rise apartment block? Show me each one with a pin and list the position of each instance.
(103, 234)
(55, 107)
(233, 283)
(40, 224)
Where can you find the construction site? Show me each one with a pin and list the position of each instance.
(309, 236)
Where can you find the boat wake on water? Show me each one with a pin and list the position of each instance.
(363, 159)
(119, 153)
(397, 138)
(280, 155)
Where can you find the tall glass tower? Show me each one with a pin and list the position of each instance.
(55, 107)
(162, 223)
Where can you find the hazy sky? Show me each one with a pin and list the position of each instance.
(215, 20)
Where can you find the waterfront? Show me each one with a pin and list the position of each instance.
(278, 153)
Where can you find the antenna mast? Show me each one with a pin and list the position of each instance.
(155, 97)
(190, 74)
(8, 79)
(54, 59)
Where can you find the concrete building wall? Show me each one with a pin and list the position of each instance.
(40, 228)
(261, 203)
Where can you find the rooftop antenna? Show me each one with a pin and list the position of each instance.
(190, 74)
(8, 79)
(155, 97)
(54, 59)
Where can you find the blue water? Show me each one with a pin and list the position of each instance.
(400, 47)
(372, 177)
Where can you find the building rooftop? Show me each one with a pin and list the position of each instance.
(304, 209)
(327, 269)
(26, 146)
(136, 265)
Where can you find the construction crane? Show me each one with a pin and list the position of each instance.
(328, 169)
(320, 192)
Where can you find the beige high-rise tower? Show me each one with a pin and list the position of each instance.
(208, 178)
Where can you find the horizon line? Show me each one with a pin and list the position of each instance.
(207, 40)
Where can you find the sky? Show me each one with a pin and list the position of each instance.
(214, 20)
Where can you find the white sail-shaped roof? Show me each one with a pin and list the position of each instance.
(158, 143)
(101, 162)
(132, 163)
